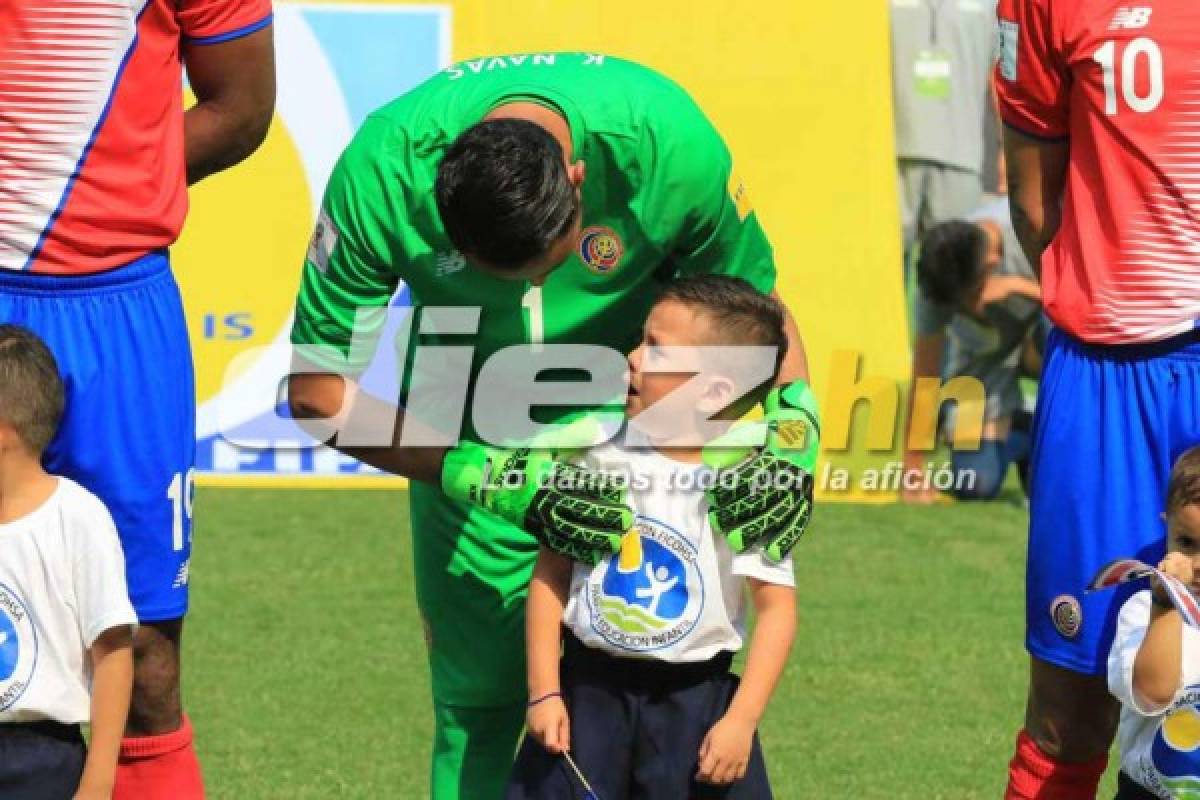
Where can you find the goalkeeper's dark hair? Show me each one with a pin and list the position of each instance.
(1183, 489)
(951, 263)
(504, 194)
(32, 397)
(740, 315)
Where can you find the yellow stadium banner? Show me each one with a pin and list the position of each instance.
(801, 92)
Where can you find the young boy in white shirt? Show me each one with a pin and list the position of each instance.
(66, 623)
(1154, 664)
(644, 699)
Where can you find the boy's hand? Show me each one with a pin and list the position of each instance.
(1178, 566)
(549, 723)
(574, 511)
(765, 498)
(725, 751)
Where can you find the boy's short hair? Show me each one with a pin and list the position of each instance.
(741, 315)
(951, 263)
(32, 397)
(1184, 487)
(504, 194)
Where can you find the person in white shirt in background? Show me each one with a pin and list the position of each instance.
(1154, 664)
(643, 698)
(66, 623)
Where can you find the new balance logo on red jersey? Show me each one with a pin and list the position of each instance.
(1130, 18)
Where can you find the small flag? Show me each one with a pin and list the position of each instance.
(589, 793)
(1127, 570)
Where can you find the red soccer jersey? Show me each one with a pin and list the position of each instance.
(92, 172)
(1121, 82)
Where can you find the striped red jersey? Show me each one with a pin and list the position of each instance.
(92, 172)
(1121, 82)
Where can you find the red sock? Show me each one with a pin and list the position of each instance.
(162, 767)
(1033, 775)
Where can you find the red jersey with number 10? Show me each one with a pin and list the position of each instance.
(92, 172)
(1121, 82)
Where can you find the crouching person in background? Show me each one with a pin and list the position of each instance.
(977, 313)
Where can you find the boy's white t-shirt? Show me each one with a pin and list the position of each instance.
(1160, 747)
(62, 584)
(676, 592)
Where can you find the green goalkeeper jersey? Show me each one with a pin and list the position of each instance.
(660, 200)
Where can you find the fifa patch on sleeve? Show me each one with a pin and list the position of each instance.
(1009, 33)
(324, 239)
(741, 200)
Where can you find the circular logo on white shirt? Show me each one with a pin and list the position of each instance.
(651, 594)
(1175, 753)
(18, 647)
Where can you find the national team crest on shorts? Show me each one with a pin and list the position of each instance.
(1067, 615)
(650, 595)
(601, 249)
(18, 647)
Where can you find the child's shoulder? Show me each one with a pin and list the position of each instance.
(80, 509)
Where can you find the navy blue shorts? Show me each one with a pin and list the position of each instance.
(40, 761)
(1128, 789)
(636, 730)
(1110, 423)
(129, 434)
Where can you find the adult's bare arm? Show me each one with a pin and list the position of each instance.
(234, 84)
(1037, 174)
(325, 403)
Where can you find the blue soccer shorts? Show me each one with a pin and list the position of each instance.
(1110, 423)
(129, 432)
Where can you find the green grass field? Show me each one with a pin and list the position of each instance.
(305, 671)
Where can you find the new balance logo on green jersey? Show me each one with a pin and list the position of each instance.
(449, 263)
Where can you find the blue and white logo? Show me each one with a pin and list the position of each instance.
(1174, 767)
(650, 595)
(18, 647)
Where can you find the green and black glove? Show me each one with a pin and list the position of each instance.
(574, 511)
(764, 496)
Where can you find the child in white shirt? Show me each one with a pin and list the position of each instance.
(644, 699)
(66, 623)
(1154, 664)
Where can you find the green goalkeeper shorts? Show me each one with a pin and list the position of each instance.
(472, 576)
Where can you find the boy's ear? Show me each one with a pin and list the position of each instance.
(717, 395)
(8, 437)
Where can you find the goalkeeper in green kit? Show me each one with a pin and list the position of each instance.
(544, 199)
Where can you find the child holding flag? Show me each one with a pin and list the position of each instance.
(1154, 664)
(642, 703)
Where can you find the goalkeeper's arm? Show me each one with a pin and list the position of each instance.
(327, 404)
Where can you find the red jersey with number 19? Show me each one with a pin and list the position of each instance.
(1121, 82)
(92, 172)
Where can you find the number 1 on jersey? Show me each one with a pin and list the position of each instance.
(532, 303)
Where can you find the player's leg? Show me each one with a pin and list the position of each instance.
(1101, 456)
(473, 750)
(979, 473)
(128, 435)
(472, 572)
